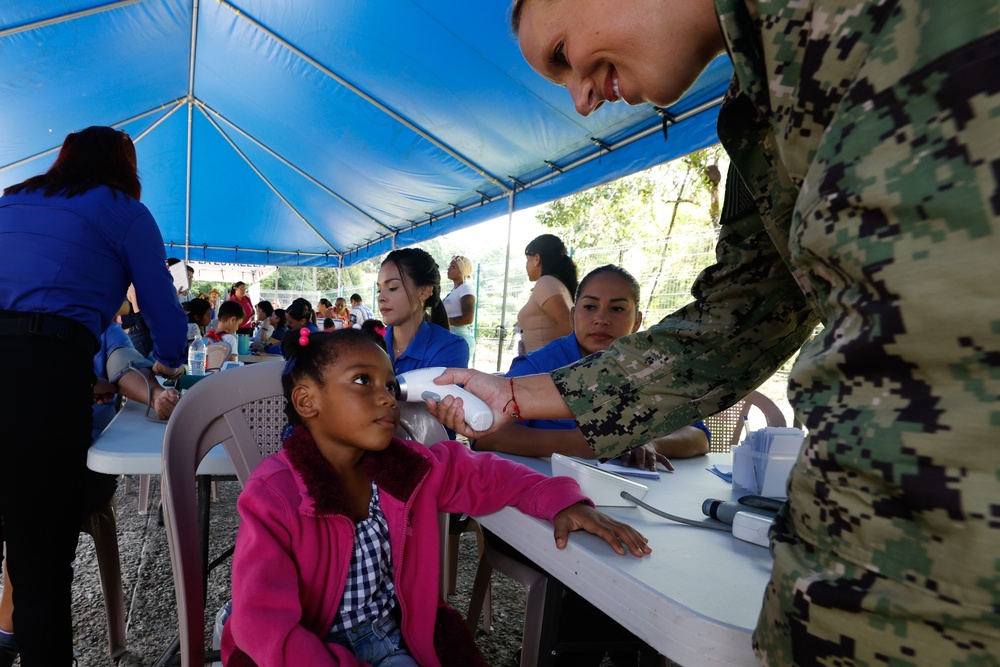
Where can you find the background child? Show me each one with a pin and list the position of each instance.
(230, 317)
(322, 574)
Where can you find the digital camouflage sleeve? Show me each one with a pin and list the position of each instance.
(868, 132)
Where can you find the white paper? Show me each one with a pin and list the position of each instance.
(629, 471)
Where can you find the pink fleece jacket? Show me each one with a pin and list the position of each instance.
(294, 545)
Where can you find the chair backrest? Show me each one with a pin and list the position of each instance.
(216, 354)
(727, 426)
(243, 409)
(415, 423)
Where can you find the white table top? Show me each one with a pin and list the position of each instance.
(133, 445)
(695, 599)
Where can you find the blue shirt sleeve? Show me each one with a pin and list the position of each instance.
(704, 428)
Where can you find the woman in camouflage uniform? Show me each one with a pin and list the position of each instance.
(865, 142)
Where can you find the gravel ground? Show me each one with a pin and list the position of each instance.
(149, 590)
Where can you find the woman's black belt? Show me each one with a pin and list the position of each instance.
(46, 324)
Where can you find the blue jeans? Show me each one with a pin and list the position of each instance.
(380, 644)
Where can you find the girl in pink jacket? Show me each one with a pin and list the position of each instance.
(337, 552)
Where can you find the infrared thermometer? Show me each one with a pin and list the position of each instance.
(418, 385)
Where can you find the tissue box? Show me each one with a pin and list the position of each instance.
(761, 465)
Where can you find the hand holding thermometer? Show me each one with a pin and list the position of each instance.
(418, 385)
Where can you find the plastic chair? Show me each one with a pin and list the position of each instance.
(216, 355)
(535, 585)
(415, 423)
(243, 409)
(102, 526)
(727, 426)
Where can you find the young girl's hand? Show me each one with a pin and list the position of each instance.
(615, 533)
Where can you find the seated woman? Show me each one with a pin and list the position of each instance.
(606, 308)
(278, 329)
(409, 298)
(264, 325)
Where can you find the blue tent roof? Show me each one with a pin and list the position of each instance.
(318, 133)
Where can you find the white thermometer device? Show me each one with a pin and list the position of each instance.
(418, 385)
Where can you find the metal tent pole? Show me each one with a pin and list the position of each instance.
(506, 276)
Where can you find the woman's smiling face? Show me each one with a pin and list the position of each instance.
(610, 50)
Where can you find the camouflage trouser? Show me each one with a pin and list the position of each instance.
(823, 611)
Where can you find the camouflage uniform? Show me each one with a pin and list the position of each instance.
(868, 134)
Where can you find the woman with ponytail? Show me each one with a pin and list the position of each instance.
(409, 298)
(546, 316)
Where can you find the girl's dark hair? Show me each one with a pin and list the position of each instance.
(232, 290)
(311, 361)
(326, 303)
(422, 270)
(280, 312)
(88, 159)
(196, 309)
(633, 284)
(266, 307)
(300, 309)
(377, 329)
(555, 259)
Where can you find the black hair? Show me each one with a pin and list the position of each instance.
(280, 312)
(266, 307)
(633, 284)
(377, 329)
(90, 158)
(230, 309)
(327, 323)
(325, 303)
(555, 259)
(196, 308)
(300, 309)
(232, 290)
(355, 297)
(422, 270)
(310, 361)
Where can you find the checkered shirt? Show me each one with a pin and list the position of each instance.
(369, 594)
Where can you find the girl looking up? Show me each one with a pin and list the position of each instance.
(322, 571)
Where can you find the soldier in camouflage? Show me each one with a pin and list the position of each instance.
(866, 137)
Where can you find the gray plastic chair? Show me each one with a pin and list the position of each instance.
(243, 409)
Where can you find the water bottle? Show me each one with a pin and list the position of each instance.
(197, 354)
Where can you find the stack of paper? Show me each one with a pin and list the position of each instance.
(762, 462)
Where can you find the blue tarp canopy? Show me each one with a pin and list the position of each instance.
(318, 132)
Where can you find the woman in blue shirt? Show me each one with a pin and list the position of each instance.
(606, 308)
(409, 298)
(73, 239)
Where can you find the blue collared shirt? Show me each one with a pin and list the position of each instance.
(76, 256)
(432, 346)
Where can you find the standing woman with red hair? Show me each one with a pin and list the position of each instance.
(73, 239)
